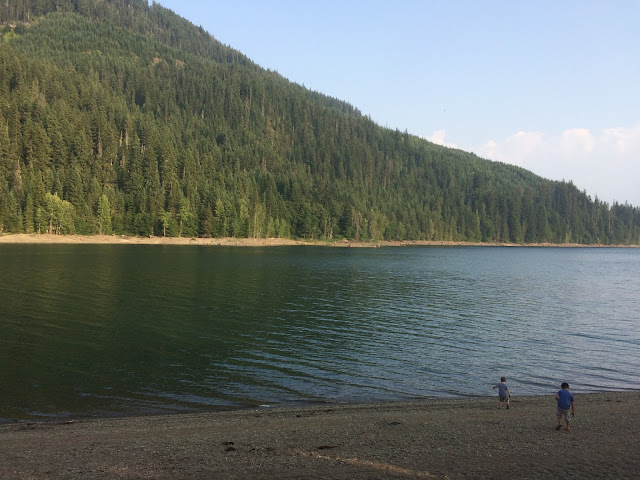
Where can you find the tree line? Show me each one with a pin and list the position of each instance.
(120, 117)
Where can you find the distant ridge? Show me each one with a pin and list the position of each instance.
(120, 117)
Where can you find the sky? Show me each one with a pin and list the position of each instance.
(553, 87)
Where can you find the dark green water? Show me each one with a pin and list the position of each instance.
(119, 330)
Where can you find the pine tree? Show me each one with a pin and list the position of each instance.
(104, 216)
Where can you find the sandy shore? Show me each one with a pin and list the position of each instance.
(24, 238)
(428, 439)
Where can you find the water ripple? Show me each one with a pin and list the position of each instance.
(97, 330)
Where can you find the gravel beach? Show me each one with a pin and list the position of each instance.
(469, 438)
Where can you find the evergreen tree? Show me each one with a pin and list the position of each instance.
(104, 216)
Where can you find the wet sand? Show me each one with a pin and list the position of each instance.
(455, 439)
(32, 238)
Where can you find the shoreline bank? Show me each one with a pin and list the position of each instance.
(32, 238)
(458, 438)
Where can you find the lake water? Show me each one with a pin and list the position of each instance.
(94, 330)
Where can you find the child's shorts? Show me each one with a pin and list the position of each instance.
(564, 414)
(503, 399)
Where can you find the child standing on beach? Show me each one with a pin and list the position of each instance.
(565, 401)
(503, 392)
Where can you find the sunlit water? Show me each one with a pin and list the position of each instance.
(119, 330)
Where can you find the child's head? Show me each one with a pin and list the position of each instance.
(503, 379)
(565, 386)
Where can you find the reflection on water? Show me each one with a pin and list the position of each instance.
(110, 330)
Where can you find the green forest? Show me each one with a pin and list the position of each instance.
(120, 117)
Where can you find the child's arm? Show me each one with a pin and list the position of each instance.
(573, 408)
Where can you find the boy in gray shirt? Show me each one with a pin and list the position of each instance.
(503, 392)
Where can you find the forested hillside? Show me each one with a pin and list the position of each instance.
(120, 117)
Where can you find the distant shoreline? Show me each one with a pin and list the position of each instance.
(26, 238)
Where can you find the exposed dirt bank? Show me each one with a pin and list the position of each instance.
(249, 242)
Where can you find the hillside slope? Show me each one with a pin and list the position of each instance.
(120, 117)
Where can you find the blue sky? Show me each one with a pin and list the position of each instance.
(549, 86)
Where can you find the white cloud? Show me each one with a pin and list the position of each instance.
(438, 138)
(514, 149)
(622, 140)
(606, 164)
(575, 141)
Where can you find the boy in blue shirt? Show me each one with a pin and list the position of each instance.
(504, 395)
(565, 402)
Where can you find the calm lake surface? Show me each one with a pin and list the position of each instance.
(98, 330)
